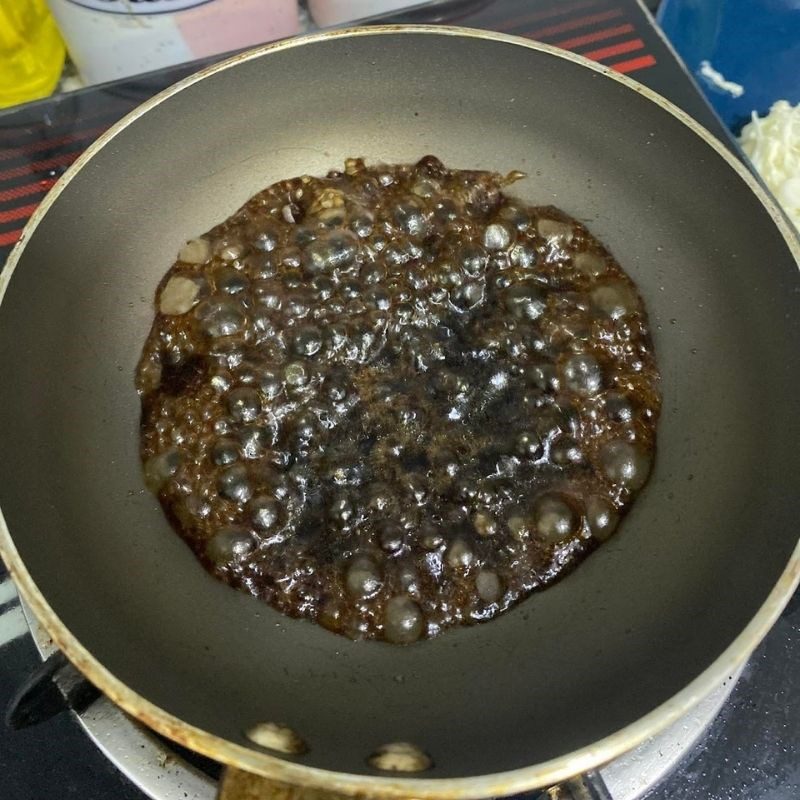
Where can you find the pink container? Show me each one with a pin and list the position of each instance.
(111, 39)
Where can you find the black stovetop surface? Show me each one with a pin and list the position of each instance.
(750, 752)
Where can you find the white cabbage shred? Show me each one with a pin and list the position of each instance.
(772, 143)
(717, 79)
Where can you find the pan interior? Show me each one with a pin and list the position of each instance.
(635, 623)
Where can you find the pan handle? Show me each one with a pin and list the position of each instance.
(239, 785)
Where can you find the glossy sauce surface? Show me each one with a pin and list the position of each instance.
(394, 399)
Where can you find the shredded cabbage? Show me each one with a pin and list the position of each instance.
(773, 145)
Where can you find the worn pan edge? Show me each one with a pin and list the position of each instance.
(499, 784)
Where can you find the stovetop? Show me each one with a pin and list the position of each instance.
(749, 752)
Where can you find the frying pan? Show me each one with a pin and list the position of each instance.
(573, 676)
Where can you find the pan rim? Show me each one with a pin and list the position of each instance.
(498, 784)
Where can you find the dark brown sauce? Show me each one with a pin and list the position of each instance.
(394, 399)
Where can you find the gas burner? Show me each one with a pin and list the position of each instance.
(161, 769)
(165, 771)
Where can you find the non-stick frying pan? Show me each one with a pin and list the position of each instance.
(576, 674)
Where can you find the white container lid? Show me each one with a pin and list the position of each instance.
(334, 12)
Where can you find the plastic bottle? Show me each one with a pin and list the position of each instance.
(31, 51)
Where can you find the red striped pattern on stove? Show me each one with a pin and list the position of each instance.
(634, 64)
(615, 49)
(20, 212)
(86, 136)
(590, 38)
(560, 10)
(577, 26)
(32, 158)
(18, 192)
(9, 238)
(574, 24)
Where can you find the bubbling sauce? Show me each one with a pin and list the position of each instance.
(394, 399)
